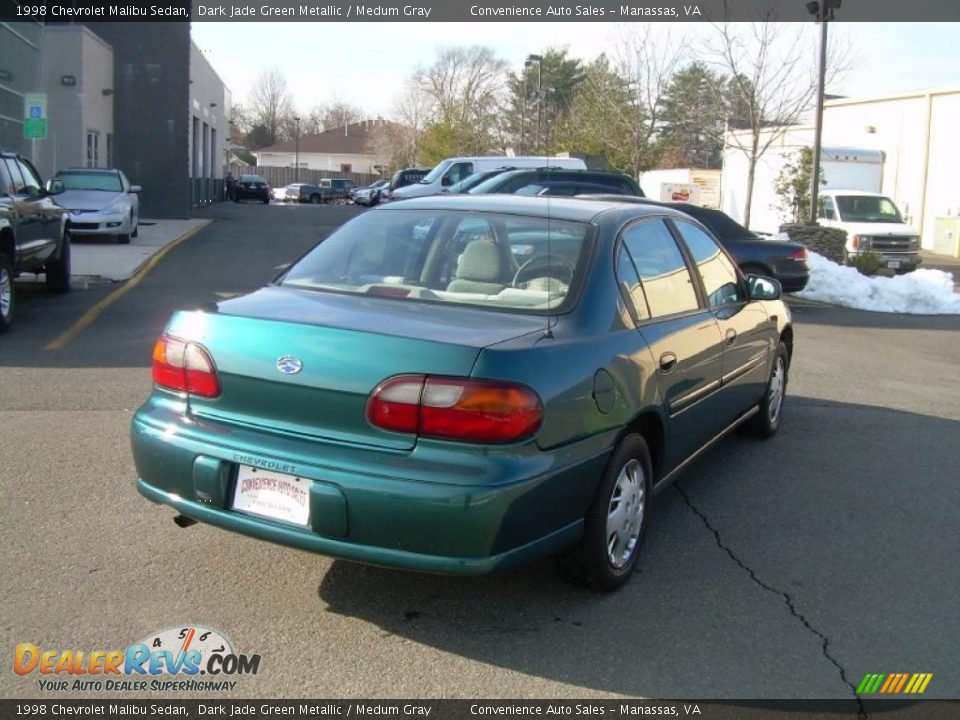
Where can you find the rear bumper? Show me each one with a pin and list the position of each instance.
(374, 512)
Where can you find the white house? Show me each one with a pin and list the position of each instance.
(344, 149)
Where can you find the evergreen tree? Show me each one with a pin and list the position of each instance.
(693, 113)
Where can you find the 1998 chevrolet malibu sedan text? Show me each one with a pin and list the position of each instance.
(460, 384)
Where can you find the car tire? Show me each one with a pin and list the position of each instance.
(58, 272)
(136, 228)
(767, 420)
(123, 239)
(266, 201)
(7, 294)
(314, 199)
(616, 523)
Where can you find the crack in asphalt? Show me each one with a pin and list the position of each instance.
(825, 641)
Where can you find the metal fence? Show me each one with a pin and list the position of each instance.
(204, 191)
(280, 176)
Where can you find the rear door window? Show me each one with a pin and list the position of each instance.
(666, 279)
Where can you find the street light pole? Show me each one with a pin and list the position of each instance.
(296, 160)
(823, 11)
(538, 60)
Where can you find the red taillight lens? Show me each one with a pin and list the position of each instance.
(185, 367)
(800, 254)
(456, 408)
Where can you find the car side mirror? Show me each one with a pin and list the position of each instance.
(135, 189)
(763, 288)
(55, 187)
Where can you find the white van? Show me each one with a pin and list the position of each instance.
(453, 170)
(873, 224)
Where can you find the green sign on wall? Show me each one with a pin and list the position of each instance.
(35, 116)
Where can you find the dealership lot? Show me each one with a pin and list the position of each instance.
(785, 569)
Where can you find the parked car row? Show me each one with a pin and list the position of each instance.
(783, 261)
(38, 221)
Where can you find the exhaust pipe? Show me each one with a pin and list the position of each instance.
(183, 521)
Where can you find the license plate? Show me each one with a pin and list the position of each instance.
(272, 495)
(893, 264)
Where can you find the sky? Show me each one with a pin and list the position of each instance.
(367, 64)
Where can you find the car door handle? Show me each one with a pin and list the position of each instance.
(668, 361)
(731, 336)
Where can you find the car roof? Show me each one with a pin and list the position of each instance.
(574, 209)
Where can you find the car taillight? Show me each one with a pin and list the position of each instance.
(800, 255)
(185, 367)
(454, 408)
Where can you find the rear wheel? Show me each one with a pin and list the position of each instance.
(767, 421)
(7, 304)
(314, 199)
(58, 271)
(616, 523)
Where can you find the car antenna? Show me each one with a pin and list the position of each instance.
(548, 332)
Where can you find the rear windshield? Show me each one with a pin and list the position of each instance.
(252, 179)
(498, 261)
(107, 182)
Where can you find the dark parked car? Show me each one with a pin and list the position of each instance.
(474, 412)
(252, 187)
(336, 189)
(33, 233)
(785, 261)
(402, 178)
(555, 181)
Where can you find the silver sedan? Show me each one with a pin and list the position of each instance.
(100, 201)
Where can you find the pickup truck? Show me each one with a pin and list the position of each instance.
(873, 224)
(335, 189)
(34, 236)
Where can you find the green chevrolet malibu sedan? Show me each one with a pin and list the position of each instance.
(461, 384)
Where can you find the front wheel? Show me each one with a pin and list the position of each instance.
(7, 298)
(58, 271)
(767, 420)
(617, 521)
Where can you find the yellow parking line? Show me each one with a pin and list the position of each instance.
(85, 320)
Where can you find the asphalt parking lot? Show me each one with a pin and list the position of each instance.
(785, 569)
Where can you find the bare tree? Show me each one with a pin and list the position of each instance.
(338, 113)
(269, 104)
(464, 91)
(647, 61)
(772, 82)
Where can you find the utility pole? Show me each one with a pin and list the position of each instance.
(296, 161)
(538, 61)
(822, 10)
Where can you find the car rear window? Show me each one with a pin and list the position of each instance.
(504, 262)
(107, 182)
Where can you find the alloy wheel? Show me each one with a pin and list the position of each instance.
(776, 390)
(625, 513)
(6, 293)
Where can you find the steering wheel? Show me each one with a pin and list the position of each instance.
(544, 266)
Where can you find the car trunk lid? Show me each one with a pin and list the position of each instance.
(304, 363)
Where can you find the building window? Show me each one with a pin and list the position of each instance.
(93, 148)
(109, 149)
(346, 167)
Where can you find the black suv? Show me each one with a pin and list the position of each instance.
(33, 232)
(407, 176)
(556, 181)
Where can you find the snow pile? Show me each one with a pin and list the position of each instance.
(922, 292)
